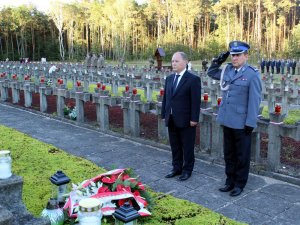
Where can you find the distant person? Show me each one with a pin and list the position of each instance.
(100, 61)
(88, 60)
(293, 65)
(204, 65)
(94, 60)
(288, 66)
(189, 66)
(180, 110)
(241, 87)
(273, 63)
(262, 65)
(282, 65)
(268, 64)
(278, 65)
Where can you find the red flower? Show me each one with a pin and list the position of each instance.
(120, 187)
(136, 193)
(121, 202)
(103, 189)
(109, 180)
(141, 186)
(125, 177)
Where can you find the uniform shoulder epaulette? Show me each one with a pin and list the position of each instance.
(253, 68)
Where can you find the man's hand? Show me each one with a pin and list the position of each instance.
(221, 58)
(248, 130)
(192, 123)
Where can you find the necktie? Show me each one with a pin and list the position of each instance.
(175, 83)
(235, 71)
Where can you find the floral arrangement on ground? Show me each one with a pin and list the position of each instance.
(113, 189)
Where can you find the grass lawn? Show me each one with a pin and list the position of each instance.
(36, 161)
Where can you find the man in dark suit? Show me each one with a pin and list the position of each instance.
(241, 86)
(180, 110)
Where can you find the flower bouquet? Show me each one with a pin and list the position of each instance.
(70, 111)
(113, 189)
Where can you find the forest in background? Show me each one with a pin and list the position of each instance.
(124, 29)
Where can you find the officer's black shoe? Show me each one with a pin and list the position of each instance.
(236, 191)
(226, 188)
(173, 174)
(184, 176)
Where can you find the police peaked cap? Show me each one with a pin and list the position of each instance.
(238, 47)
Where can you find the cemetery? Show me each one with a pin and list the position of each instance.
(86, 91)
(129, 100)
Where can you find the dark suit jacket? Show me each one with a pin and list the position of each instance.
(184, 102)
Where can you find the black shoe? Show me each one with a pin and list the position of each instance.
(226, 188)
(236, 191)
(184, 177)
(173, 174)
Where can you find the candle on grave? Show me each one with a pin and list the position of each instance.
(219, 100)
(5, 164)
(134, 91)
(205, 97)
(161, 92)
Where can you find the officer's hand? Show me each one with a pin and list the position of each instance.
(248, 130)
(221, 58)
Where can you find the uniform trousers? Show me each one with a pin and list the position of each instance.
(237, 153)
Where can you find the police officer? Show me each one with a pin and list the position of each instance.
(268, 64)
(241, 86)
(282, 65)
(262, 65)
(273, 63)
(278, 64)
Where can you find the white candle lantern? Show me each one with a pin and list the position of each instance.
(53, 213)
(5, 164)
(89, 211)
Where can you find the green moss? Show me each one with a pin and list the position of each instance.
(36, 162)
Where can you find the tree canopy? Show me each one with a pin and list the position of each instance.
(125, 29)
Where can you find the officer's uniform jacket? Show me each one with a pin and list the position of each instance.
(240, 103)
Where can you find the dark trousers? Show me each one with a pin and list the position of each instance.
(272, 69)
(182, 141)
(237, 153)
(277, 70)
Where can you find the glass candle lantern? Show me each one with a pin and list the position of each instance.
(89, 211)
(5, 164)
(53, 213)
(59, 185)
